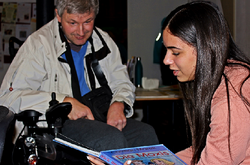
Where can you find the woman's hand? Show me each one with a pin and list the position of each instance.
(96, 161)
(128, 162)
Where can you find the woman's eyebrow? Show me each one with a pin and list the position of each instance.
(172, 47)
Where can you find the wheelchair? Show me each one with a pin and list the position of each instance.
(35, 146)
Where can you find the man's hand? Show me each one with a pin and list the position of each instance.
(79, 110)
(116, 115)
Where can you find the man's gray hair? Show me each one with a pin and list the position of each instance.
(77, 6)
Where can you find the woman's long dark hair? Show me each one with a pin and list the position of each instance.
(201, 25)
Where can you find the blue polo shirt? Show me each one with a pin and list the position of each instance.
(79, 65)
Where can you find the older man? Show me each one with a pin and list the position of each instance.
(41, 67)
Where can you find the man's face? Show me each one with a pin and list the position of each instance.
(77, 27)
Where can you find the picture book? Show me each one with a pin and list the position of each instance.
(144, 155)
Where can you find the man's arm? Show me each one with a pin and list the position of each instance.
(116, 116)
(32, 84)
(78, 110)
(120, 84)
(24, 77)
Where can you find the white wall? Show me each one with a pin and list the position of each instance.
(144, 24)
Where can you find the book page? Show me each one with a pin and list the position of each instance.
(79, 148)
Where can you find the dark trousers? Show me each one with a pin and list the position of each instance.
(100, 136)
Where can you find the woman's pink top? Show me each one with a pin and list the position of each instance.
(217, 149)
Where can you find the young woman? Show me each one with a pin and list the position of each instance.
(214, 78)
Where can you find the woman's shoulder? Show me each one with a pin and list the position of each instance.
(237, 72)
(237, 75)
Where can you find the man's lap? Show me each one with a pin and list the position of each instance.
(100, 136)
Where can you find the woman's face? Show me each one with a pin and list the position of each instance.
(180, 57)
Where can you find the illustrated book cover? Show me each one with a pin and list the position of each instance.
(144, 155)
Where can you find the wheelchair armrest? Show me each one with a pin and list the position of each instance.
(28, 117)
(60, 110)
(6, 118)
